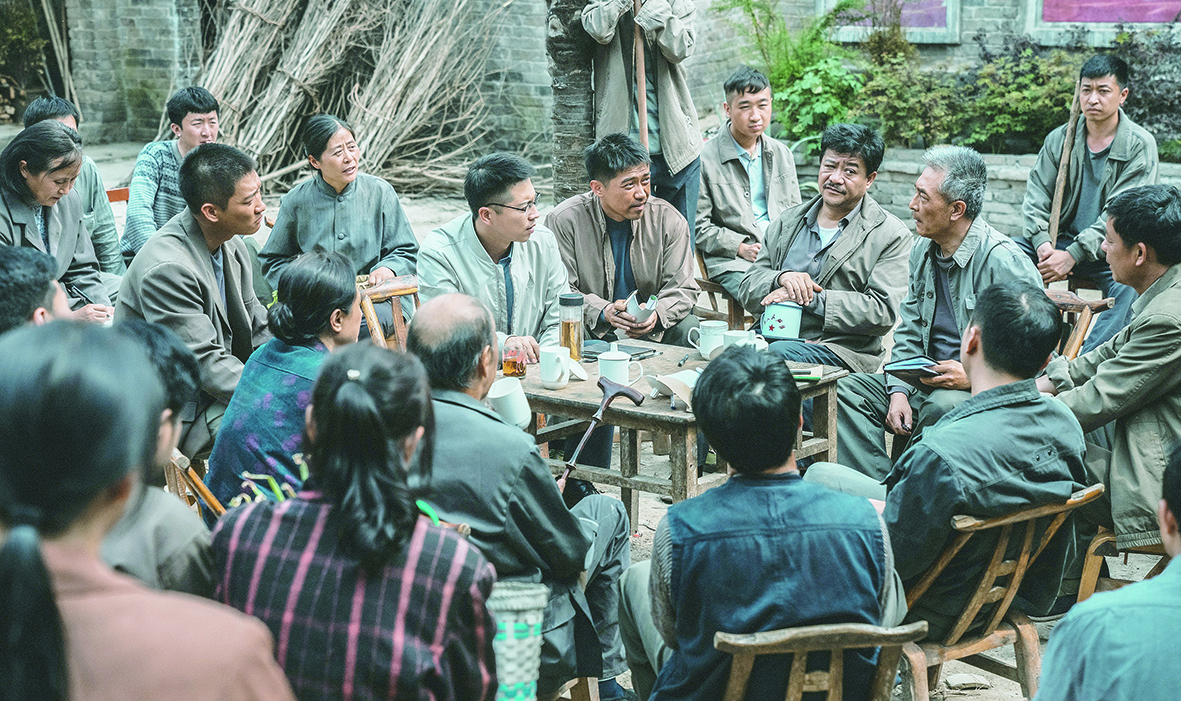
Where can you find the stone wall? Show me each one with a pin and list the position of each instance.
(127, 56)
(894, 186)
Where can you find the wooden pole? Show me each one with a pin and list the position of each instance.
(1064, 166)
(641, 80)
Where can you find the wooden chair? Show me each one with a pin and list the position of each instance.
(118, 194)
(184, 481)
(1103, 544)
(800, 641)
(392, 291)
(1003, 627)
(1079, 314)
(735, 316)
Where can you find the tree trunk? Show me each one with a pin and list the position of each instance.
(570, 50)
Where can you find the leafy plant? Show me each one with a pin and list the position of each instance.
(909, 106)
(1014, 102)
(20, 41)
(1154, 97)
(819, 97)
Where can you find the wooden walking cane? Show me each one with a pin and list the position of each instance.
(641, 80)
(1063, 166)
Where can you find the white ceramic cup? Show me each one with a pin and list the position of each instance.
(507, 397)
(555, 367)
(709, 336)
(615, 365)
(781, 321)
(729, 338)
(754, 340)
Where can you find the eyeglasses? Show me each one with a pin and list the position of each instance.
(532, 204)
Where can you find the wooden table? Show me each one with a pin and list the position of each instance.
(580, 399)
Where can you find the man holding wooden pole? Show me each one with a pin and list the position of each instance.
(1081, 167)
(641, 89)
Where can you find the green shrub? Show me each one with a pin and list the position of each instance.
(20, 41)
(1170, 151)
(1154, 96)
(1014, 102)
(909, 106)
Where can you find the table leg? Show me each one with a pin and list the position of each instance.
(538, 424)
(824, 422)
(683, 459)
(629, 465)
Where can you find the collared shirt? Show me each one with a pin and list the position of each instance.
(341, 631)
(154, 196)
(219, 272)
(1004, 449)
(505, 264)
(1118, 646)
(753, 164)
(807, 252)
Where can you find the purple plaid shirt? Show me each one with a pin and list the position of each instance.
(418, 629)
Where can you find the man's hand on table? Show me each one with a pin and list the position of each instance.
(1053, 264)
(951, 376)
(616, 314)
(793, 287)
(898, 415)
(525, 344)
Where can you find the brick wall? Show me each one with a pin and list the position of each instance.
(127, 57)
(1007, 175)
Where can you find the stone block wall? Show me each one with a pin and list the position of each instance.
(127, 56)
(517, 81)
(894, 186)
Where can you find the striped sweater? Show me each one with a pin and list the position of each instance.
(154, 195)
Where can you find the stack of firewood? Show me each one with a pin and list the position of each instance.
(11, 95)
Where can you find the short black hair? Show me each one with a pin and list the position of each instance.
(319, 130)
(492, 176)
(1149, 214)
(26, 284)
(211, 173)
(744, 80)
(1103, 65)
(1019, 327)
(190, 100)
(613, 154)
(748, 407)
(50, 107)
(1171, 484)
(174, 363)
(450, 351)
(855, 140)
(45, 147)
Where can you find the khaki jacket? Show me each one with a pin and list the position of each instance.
(985, 256)
(1134, 379)
(452, 259)
(661, 260)
(667, 26)
(171, 282)
(1131, 162)
(77, 266)
(863, 276)
(725, 213)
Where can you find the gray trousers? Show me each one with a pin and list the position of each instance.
(862, 402)
(646, 650)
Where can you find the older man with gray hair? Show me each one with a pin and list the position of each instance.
(963, 257)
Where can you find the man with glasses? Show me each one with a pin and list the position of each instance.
(501, 255)
(617, 240)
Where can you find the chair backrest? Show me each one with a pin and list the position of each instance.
(799, 642)
(118, 194)
(1078, 312)
(1012, 570)
(393, 291)
(735, 316)
(184, 481)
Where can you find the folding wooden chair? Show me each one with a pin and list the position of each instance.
(799, 642)
(392, 291)
(1079, 313)
(118, 194)
(735, 316)
(1003, 627)
(184, 481)
(1103, 544)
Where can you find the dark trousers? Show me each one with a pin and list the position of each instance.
(679, 190)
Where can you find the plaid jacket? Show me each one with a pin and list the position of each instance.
(417, 630)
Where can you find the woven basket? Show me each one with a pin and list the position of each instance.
(517, 608)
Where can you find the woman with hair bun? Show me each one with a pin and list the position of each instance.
(82, 416)
(344, 210)
(317, 310)
(367, 597)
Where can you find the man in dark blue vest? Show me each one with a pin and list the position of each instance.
(764, 551)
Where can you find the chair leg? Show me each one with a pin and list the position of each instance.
(585, 689)
(914, 676)
(1092, 564)
(934, 672)
(1029, 655)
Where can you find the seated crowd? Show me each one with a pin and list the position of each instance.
(337, 571)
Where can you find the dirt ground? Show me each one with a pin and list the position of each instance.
(115, 163)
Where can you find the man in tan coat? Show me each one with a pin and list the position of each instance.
(1133, 381)
(194, 277)
(840, 256)
(747, 179)
(617, 240)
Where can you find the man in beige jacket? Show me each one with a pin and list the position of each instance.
(840, 256)
(747, 179)
(617, 240)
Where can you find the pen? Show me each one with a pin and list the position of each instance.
(684, 359)
(73, 290)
